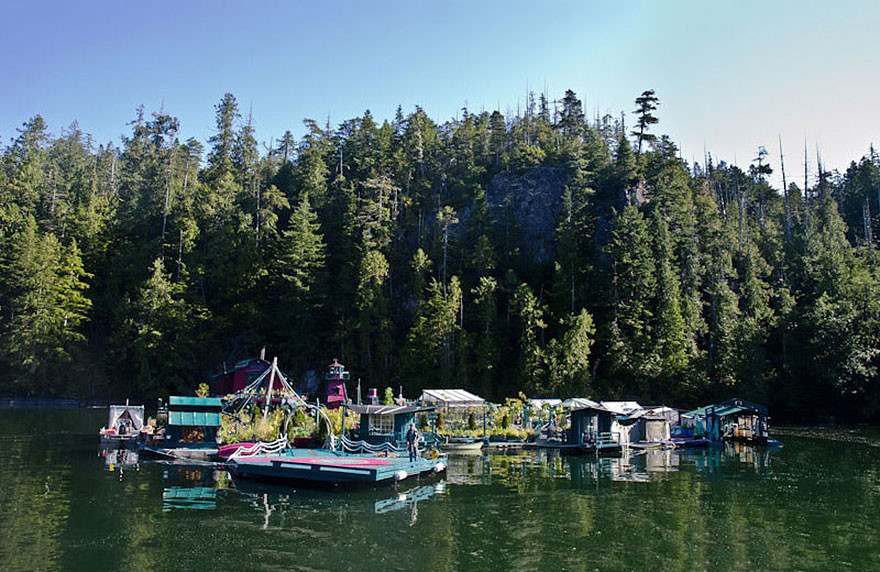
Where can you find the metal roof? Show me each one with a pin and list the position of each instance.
(621, 407)
(580, 403)
(388, 409)
(451, 397)
(195, 401)
(543, 402)
(194, 418)
(596, 407)
(729, 407)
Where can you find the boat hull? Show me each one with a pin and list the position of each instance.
(461, 447)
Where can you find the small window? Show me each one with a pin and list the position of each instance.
(191, 434)
(381, 424)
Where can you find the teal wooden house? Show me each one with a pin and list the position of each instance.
(591, 431)
(587, 422)
(386, 423)
(192, 421)
(735, 419)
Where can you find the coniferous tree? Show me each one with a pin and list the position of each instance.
(646, 104)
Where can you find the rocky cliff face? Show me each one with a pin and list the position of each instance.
(532, 202)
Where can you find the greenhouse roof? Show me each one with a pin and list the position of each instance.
(451, 397)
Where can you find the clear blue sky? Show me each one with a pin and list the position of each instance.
(730, 75)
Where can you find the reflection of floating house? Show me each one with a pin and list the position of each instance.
(189, 498)
(119, 458)
(591, 431)
(735, 419)
(386, 423)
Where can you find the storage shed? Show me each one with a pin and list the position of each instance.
(386, 423)
(587, 423)
(193, 420)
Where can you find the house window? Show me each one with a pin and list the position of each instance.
(381, 424)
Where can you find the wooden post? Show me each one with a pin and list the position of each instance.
(269, 387)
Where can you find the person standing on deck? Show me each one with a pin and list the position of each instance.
(412, 442)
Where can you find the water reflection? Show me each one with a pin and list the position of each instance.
(809, 506)
(276, 502)
(192, 487)
(634, 466)
(120, 458)
(409, 499)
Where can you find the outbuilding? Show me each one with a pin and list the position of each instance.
(386, 423)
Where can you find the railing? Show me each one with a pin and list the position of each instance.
(350, 446)
(271, 448)
(600, 440)
(607, 439)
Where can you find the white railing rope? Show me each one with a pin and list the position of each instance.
(261, 448)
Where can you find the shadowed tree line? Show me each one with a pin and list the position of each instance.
(136, 269)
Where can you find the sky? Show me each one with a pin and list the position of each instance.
(730, 75)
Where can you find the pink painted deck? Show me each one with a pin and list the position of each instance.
(333, 461)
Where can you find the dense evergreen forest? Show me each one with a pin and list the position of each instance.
(545, 252)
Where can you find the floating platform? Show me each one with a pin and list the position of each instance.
(325, 467)
(507, 444)
(690, 443)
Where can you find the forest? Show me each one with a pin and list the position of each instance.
(545, 252)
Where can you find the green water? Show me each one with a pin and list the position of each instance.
(813, 505)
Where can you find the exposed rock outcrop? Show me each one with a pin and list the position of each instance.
(533, 203)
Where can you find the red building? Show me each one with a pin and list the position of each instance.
(336, 392)
(240, 376)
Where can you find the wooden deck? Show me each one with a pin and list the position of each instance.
(320, 466)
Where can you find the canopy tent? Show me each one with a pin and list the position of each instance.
(450, 398)
(131, 417)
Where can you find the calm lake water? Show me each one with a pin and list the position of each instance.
(812, 505)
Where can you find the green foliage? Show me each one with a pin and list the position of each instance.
(399, 246)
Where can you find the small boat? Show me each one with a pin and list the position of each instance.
(691, 442)
(124, 424)
(461, 445)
